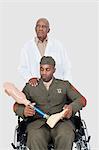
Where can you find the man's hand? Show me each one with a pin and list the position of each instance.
(28, 111)
(68, 112)
(33, 81)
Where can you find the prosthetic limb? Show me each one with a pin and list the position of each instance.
(53, 119)
(20, 98)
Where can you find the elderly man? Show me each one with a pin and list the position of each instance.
(41, 46)
(52, 96)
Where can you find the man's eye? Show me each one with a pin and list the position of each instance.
(41, 26)
(47, 69)
(41, 69)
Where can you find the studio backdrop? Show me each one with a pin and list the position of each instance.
(74, 23)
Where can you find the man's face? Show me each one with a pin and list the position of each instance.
(42, 28)
(46, 72)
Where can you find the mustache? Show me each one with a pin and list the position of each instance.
(43, 76)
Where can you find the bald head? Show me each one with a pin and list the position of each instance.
(43, 20)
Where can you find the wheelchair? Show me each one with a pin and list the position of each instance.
(81, 141)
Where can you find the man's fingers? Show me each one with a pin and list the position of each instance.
(65, 106)
(33, 81)
(28, 111)
(33, 84)
(68, 113)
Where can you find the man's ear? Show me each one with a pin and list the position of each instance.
(48, 30)
(54, 70)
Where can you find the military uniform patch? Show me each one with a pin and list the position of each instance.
(59, 90)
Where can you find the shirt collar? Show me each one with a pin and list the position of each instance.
(38, 41)
(48, 82)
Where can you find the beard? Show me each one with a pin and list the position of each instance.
(46, 79)
(41, 36)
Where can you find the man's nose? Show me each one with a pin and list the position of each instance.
(44, 72)
(41, 27)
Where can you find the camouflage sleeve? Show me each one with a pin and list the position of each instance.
(78, 101)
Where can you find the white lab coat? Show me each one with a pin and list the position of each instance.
(30, 60)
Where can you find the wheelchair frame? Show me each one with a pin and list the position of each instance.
(81, 141)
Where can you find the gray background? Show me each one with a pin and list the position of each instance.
(74, 23)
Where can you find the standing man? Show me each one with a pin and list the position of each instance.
(40, 46)
(51, 96)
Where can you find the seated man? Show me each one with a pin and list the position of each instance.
(52, 96)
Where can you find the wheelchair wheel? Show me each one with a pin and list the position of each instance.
(82, 138)
(78, 146)
(81, 146)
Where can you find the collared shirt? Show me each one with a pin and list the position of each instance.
(41, 45)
